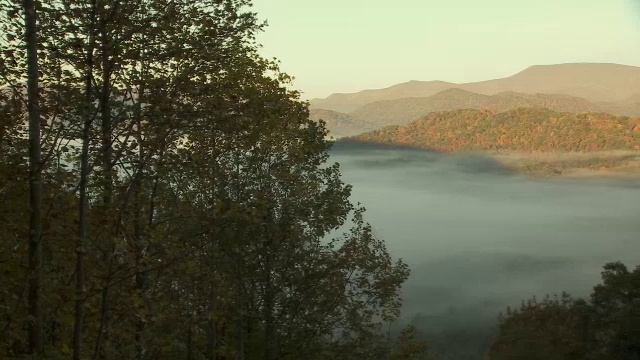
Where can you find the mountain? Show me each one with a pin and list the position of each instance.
(593, 81)
(401, 111)
(511, 100)
(521, 129)
(340, 124)
(596, 82)
(628, 107)
(350, 102)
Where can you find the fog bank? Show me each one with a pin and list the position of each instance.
(479, 237)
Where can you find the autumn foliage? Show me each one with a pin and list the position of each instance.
(523, 129)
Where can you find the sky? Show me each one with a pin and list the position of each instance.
(345, 46)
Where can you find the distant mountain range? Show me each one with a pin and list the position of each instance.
(340, 124)
(606, 88)
(524, 129)
(592, 81)
(401, 111)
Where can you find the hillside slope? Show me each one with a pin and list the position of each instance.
(628, 107)
(520, 129)
(349, 102)
(401, 111)
(340, 124)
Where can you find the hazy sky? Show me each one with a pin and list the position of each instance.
(349, 45)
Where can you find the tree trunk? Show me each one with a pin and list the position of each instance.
(35, 184)
(189, 350)
(211, 339)
(268, 311)
(270, 336)
(83, 212)
(241, 314)
(107, 191)
(140, 278)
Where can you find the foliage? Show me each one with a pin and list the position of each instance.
(521, 129)
(606, 327)
(214, 226)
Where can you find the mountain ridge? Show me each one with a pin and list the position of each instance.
(401, 111)
(340, 124)
(597, 82)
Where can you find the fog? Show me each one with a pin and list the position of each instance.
(479, 237)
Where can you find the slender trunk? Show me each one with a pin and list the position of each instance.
(83, 211)
(211, 341)
(270, 337)
(35, 184)
(140, 324)
(139, 328)
(269, 328)
(55, 326)
(140, 276)
(189, 351)
(138, 226)
(241, 315)
(105, 112)
(241, 323)
(107, 191)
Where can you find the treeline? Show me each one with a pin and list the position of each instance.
(607, 326)
(619, 163)
(522, 129)
(604, 326)
(163, 195)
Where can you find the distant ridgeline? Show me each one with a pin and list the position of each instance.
(573, 88)
(526, 129)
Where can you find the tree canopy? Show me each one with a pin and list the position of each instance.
(188, 206)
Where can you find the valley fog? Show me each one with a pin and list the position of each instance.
(478, 237)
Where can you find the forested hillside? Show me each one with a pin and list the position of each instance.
(520, 129)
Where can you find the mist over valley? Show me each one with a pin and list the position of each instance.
(480, 236)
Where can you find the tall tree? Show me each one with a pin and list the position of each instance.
(35, 181)
(83, 204)
(211, 203)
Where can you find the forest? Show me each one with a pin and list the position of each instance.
(164, 195)
(524, 129)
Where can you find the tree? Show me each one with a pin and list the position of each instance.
(185, 179)
(606, 327)
(36, 273)
(408, 345)
(550, 329)
(616, 308)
